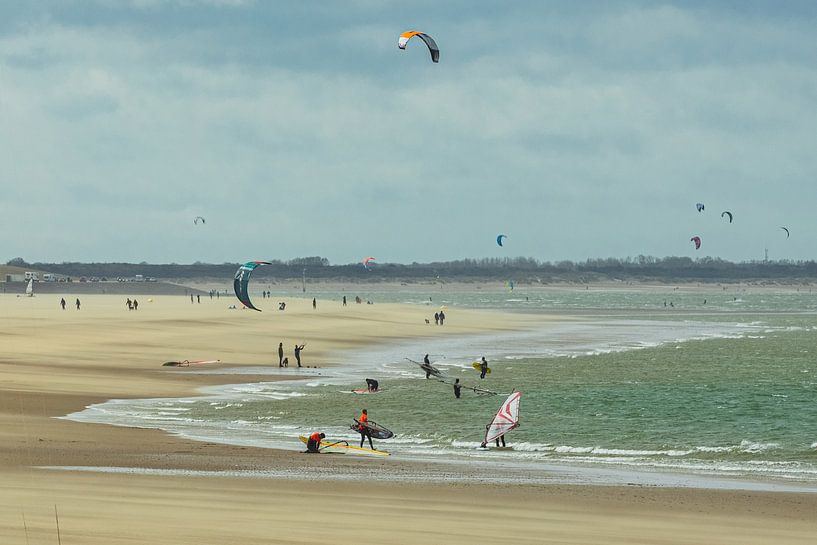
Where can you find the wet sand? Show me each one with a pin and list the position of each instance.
(56, 362)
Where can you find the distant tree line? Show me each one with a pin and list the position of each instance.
(519, 269)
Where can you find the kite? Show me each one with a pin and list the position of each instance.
(368, 261)
(697, 241)
(787, 232)
(700, 206)
(727, 213)
(404, 38)
(499, 239)
(242, 280)
(199, 219)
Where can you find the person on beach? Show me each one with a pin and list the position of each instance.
(314, 443)
(62, 303)
(135, 304)
(191, 298)
(129, 303)
(372, 384)
(285, 363)
(442, 317)
(427, 366)
(198, 298)
(436, 318)
(363, 428)
(457, 388)
(298, 353)
(483, 367)
(77, 303)
(344, 300)
(280, 354)
(314, 304)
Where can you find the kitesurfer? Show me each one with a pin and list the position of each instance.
(483, 368)
(457, 388)
(314, 443)
(280, 354)
(372, 384)
(363, 428)
(298, 353)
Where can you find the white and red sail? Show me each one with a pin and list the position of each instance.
(506, 419)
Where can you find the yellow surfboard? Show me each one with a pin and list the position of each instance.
(343, 445)
(478, 366)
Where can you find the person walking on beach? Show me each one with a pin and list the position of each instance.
(442, 317)
(457, 388)
(314, 304)
(198, 298)
(129, 304)
(344, 300)
(191, 298)
(62, 303)
(363, 428)
(77, 303)
(135, 304)
(314, 443)
(483, 367)
(436, 318)
(298, 353)
(280, 354)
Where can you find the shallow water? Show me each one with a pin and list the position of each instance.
(728, 393)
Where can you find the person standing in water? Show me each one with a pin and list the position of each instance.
(363, 428)
(427, 366)
(483, 368)
(457, 388)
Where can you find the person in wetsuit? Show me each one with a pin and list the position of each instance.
(457, 388)
(314, 443)
(372, 384)
(483, 368)
(363, 428)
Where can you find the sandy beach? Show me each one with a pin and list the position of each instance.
(55, 362)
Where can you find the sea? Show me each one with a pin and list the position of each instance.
(715, 382)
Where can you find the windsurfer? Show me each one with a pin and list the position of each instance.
(498, 439)
(427, 366)
(363, 428)
(314, 443)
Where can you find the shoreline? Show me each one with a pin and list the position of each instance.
(55, 364)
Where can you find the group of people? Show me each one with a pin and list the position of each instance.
(284, 361)
(362, 426)
(439, 318)
(63, 303)
(132, 305)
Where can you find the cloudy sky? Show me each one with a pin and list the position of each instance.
(579, 129)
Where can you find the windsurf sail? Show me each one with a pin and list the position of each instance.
(375, 430)
(506, 419)
(187, 363)
(30, 288)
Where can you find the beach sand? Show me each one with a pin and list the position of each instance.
(55, 362)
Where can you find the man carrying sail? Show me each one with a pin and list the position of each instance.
(363, 428)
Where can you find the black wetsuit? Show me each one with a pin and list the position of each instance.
(372, 384)
(457, 388)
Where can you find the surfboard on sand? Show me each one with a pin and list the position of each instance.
(478, 366)
(187, 363)
(346, 446)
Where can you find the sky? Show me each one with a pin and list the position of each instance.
(578, 129)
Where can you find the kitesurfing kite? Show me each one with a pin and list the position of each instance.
(700, 206)
(499, 239)
(506, 419)
(404, 38)
(787, 232)
(368, 261)
(199, 219)
(242, 280)
(697, 241)
(727, 213)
